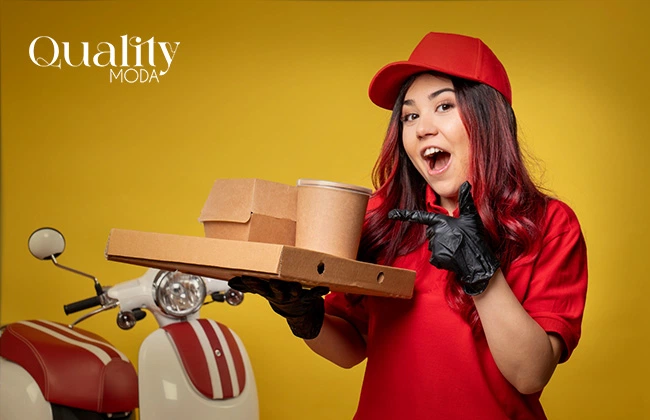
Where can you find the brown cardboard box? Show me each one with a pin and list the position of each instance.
(224, 259)
(250, 209)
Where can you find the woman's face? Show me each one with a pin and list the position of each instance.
(434, 136)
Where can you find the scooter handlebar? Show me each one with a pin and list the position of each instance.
(82, 304)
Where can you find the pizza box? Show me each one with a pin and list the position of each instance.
(225, 259)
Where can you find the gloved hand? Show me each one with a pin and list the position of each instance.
(304, 309)
(457, 244)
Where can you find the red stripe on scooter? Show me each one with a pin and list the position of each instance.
(236, 356)
(191, 354)
(63, 331)
(222, 365)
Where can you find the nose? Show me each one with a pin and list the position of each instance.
(426, 127)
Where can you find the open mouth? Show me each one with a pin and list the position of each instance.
(437, 159)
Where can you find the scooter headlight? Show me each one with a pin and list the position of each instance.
(178, 294)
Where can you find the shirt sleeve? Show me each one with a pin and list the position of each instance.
(350, 307)
(557, 291)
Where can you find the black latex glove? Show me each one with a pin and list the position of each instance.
(457, 244)
(304, 309)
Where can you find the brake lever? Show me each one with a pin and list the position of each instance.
(109, 305)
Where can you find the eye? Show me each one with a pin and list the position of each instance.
(446, 106)
(409, 117)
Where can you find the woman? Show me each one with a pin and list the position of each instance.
(501, 269)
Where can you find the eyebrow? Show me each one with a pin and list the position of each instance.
(431, 96)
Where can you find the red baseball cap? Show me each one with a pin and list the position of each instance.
(456, 55)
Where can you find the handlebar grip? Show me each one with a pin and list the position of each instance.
(82, 304)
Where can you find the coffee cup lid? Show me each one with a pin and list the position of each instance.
(303, 182)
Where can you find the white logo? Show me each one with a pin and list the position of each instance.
(125, 61)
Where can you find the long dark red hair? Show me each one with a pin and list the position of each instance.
(508, 201)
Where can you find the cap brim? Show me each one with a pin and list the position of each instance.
(386, 84)
(388, 81)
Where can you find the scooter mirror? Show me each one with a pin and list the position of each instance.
(46, 243)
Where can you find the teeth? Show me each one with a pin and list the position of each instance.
(431, 151)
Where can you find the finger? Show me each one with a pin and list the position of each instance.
(465, 199)
(284, 290)
(249, 284)
(417, 216)
(319, 291)
(237, 284)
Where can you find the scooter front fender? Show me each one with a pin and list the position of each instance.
(196, 369)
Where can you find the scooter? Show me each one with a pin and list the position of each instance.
(189, 368)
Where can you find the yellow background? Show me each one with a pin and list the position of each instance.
(277, 90)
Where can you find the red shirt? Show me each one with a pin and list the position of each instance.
(424, 362)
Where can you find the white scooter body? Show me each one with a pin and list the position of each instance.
(189, 368)
(169, 393)
(195, 367)
(22, 397)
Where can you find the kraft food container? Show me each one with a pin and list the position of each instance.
(250, 209)
(329, 216)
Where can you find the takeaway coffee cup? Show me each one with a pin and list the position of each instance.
(330, 216)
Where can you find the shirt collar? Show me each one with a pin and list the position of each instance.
(433, 205)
